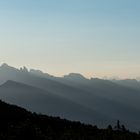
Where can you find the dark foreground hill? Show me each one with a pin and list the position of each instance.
(18, 124)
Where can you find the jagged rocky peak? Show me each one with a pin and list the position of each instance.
(24, 69)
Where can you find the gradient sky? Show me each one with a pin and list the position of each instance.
(93, 37)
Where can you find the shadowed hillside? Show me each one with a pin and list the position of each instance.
(18, 124)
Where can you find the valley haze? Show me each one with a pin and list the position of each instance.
(74, 97)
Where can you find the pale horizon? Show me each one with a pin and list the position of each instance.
(117, 77)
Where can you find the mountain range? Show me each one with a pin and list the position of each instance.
(74, 97)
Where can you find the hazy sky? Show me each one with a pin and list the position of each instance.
(92, 37)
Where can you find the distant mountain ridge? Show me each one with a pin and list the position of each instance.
(73, 96)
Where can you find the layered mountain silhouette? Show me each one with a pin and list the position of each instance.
(42, 101)
(74, 97)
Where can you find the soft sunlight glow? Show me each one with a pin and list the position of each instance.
(93, 37)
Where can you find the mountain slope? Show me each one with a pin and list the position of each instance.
(42, 101)
(17, 123)
(101, 97)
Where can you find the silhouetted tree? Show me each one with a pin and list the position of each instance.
(118, 127)
(123, 128)
(109, 127)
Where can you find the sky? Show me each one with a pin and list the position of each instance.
(96, 38)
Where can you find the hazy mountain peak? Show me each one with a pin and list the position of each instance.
(14, 84)
(40, 73)
(4, 65)
(75, 77)
(10, 82)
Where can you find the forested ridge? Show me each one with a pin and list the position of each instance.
(19, 124)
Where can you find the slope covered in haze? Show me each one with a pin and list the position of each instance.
(42, 101)
(106, 100)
